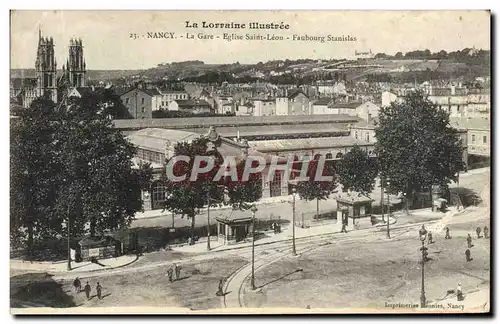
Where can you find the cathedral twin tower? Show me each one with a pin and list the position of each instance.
(73, 76)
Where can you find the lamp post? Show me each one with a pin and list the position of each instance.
(208, 221)
(423, 236)
(294, 192)
(388, 210)
(252, 282)
(69, 237)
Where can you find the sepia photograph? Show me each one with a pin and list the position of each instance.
(250, 162)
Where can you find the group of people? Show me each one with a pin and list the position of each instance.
(170, 273)
(77, 284)
(276, 228)
(469, 241)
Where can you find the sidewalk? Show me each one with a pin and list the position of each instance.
(324, 228)
(76, 268)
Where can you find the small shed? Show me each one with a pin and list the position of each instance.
(234, 229)
(354, 206)
(99, 247)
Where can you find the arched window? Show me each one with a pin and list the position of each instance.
(339, 155)
(329, 156)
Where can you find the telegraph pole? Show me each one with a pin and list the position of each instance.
(294, 252)
(252, 281)
(208, 222)
(388, 211)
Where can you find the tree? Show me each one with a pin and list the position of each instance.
(314, 187)
(416, 146)
(188, 195)
(33, 174)
(357, 171)
(243, 191)
(99, 184)
(398, 55)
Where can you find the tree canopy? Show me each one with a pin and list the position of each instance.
(358, 171)
(69, 164)
(416, 145)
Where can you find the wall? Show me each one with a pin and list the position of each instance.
(139, 104)
(478, 142)
(281, 106)
(299, 105)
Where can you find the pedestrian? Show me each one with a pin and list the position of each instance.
(170, 273)
(220, 292)
(177, 270)
(460, 296)
(447, 233)
(344, 230)
(430, 238)
(78, 285)
(87, 290)
(469, 241)
(98, 288)
(478, 232)
(467, 255)
(486, 232)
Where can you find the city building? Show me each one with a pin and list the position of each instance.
(296, 103)
(140, 102)
(194, 106)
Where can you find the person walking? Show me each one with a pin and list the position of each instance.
(486, 232)
(344, 230)
(87, 290)
(460, 296)
(220, 292)
(78, 285)
(469, 241)
(478, 232)
(447, 233)
(467, 255)
(177, 272)
(170, 273)
(429, 236)
(98, 288)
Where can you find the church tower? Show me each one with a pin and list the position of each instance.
(75, 66)
(46, 68)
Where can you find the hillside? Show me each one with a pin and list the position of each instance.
(92, 74)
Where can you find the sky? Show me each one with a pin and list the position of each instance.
(108, 46)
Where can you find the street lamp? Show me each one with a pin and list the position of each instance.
(208, 221)
(294, 192)
(253, 210)
(388, 210)
(423, 236)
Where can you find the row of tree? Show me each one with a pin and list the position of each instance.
(71, 167)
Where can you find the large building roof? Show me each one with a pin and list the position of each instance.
(297, 144)
(471, 123)
(204, 122)
(157, 139)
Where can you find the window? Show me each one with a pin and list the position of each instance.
(143, 109)
(473, 138)
(339, 155)
(484, 140)
(329, 156)
(367, 137)
(157, 195)
(356, 135)
(127, 100)
(142, 101)
(458, 109)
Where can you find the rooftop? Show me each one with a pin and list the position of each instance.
(157, 139)
(305, 143)
(471, 123)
